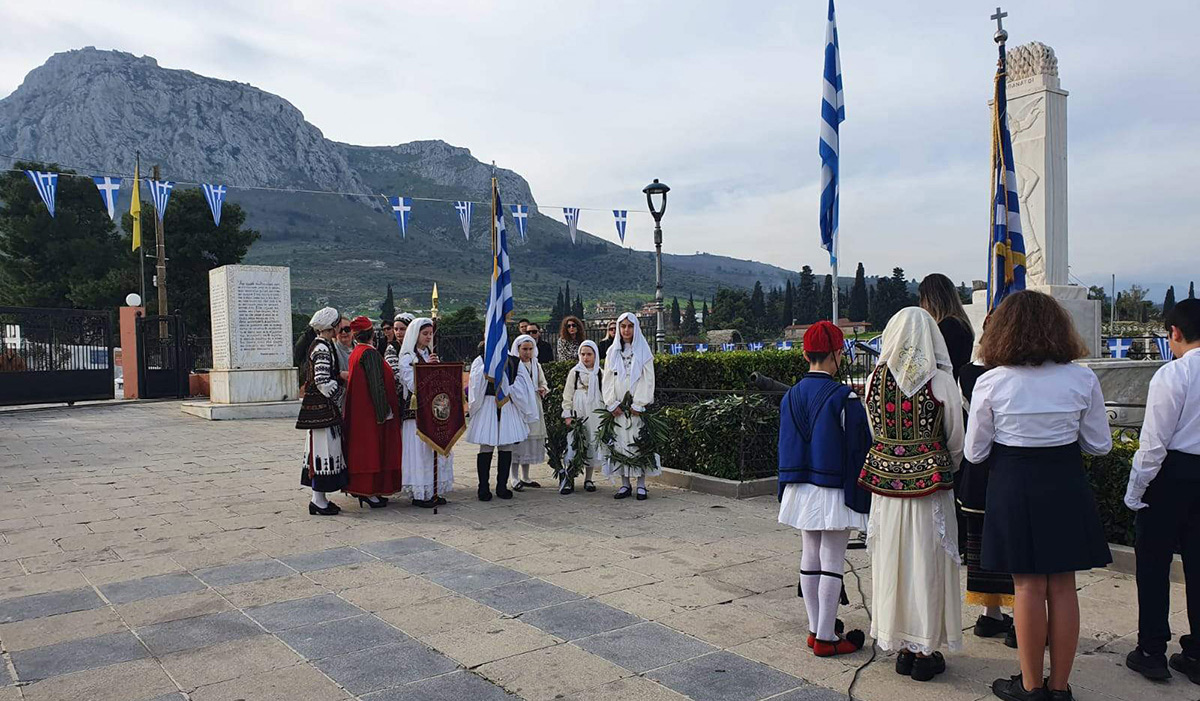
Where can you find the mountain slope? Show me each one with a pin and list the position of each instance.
(92, 110)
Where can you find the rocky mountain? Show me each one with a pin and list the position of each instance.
(91, 110)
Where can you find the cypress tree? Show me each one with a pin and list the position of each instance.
(789, 304)
(825, 297)
(1169, 300)
(387, 310)
(758, 305)
(704, 314)
(858, 296)
(807, 306)
(1191, 290)
(687, 327)
(674, 321)
(577, 310)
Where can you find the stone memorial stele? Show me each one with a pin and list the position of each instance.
(1037, 121)
(252, 374)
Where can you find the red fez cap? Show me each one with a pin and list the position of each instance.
(823, 337)
(360, 324)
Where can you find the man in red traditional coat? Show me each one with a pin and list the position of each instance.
(372, 422)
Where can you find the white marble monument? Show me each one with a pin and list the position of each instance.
(1037, 121)
(252, 374)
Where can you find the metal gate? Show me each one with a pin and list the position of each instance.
(55, 355)
(163, 365)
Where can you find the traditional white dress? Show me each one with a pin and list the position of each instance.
(485, 429)
(582, 397)
(532, 450)
(628, 370)
(418, 457)
(913, 542)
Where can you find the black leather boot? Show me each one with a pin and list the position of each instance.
(483, 465)
(503, 466)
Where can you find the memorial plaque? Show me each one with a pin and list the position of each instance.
(251, 317)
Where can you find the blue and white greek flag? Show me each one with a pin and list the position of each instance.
(833, 113)
(464, 216)
(402, 206)
(876, 344)
(520, 213)
(755, 346)
(571, 214)
(1006, 245)
(701, 347)
(109, 188)
(214, 195)
(500, 304)
(1119, 347)
(1164, 348)
(160, 193)
(784, 345)
(848, 349)
(728, 347)
(46, 184)
(675, 348)
(621, 216)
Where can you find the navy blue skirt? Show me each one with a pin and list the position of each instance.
(1041, 513)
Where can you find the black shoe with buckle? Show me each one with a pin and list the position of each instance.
(904, 663)
(926, 668)
(1013, 689)
(623, 493)
(1152, 667)
(988, 627)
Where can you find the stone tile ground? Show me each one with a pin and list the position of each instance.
(145, 554)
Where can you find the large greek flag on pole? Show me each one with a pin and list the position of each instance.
(833, 113)
(160, 192)
(1006, 247)
(214, 195)
(109, 187)
(520, 214)
(46, 184)
(500, 304)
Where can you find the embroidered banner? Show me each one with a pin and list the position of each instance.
(440, 417)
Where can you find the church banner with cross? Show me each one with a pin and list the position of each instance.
(441, 419)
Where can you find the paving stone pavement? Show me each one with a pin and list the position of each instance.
(150, 555)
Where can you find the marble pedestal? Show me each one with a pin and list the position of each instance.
(1085, 313)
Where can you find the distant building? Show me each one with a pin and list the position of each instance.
(606, 310)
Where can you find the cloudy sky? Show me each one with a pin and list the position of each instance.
(590, 99)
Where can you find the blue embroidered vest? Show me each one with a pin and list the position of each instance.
(814, 447)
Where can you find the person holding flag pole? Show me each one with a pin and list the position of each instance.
(833, 113)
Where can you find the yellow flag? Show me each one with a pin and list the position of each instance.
(135, 210)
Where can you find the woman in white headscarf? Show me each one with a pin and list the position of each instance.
(418, 457)
(532, 450)
(582, 397)
(915, 411)
(628, 375)
(321, 417)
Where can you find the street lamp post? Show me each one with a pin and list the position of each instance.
(660, 189)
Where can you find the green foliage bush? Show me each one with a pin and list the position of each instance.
(1110, 474)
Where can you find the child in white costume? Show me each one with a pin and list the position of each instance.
(581, 399)
(628, 370)
(417, 457)
(532, 450)
(496, 428)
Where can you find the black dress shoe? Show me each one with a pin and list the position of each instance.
(1013, 689)
(642, 495)
(424, 503)
(379, 504)
(988, 627)
(1188, 666)
(331, 510)
(441, 501)
(531, 485)
(926, 668)
(589, 486)
(904, 663)
(503, 491)
(1152, 667)
(623, 493)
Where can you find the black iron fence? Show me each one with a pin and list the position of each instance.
(55, 355)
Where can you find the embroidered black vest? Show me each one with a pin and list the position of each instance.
(908, 457)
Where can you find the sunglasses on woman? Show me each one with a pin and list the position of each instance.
(344, 329)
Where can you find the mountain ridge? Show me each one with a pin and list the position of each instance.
(91, 109)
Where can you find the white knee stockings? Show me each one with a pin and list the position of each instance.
(822, 564)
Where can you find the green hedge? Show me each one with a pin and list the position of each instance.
(1110, 474)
